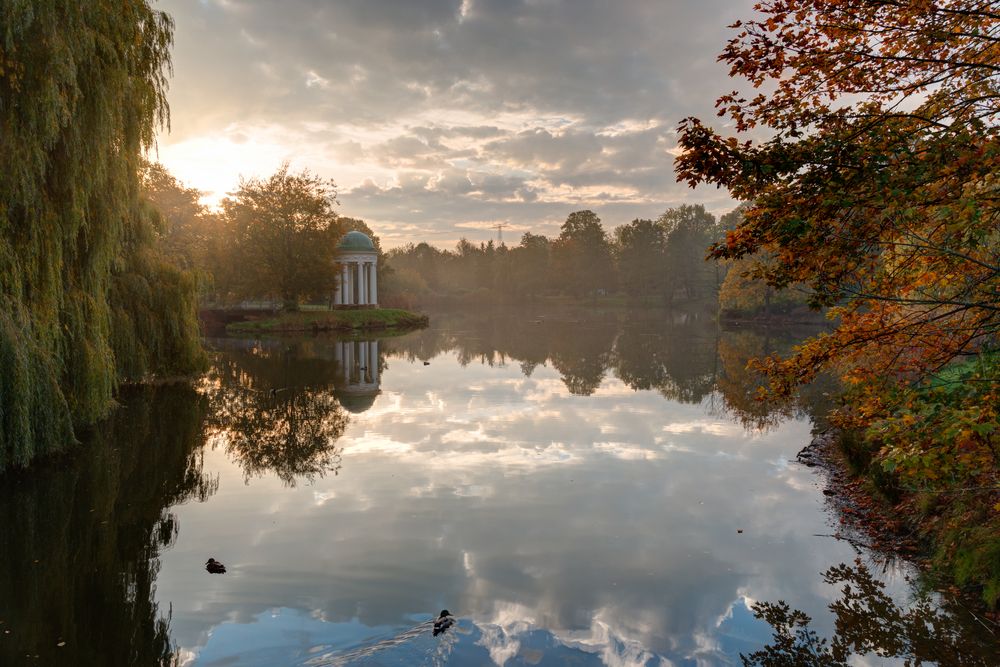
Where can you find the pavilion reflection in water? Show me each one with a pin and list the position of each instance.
(357, 383)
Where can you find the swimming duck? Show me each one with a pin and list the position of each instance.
(444, 621)
(215, 567)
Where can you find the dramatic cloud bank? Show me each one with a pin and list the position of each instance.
(440, 118)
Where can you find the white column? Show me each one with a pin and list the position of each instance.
(362, 284)
(343, 284)
(342, 359)
(368, 282)
(351, 280)
(375, 283)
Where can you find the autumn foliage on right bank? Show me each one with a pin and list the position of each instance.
(869, 151)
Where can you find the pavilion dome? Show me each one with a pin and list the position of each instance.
(356, 242)
(356, 400)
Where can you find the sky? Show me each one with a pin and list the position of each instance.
(439, 119)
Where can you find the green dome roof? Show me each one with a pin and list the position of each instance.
(356, 241)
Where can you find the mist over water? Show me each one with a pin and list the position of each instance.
(575, 487)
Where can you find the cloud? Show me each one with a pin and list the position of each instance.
(514, 110)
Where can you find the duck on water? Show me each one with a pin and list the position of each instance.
(444, 621)
(215, 567)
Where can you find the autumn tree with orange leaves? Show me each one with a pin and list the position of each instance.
(871, 154)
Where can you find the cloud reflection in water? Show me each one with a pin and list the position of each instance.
(598, 525)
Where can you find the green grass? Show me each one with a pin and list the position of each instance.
(960, 370)
(378, 319)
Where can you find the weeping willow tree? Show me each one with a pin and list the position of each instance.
(86, 302)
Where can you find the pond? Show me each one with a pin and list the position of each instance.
(575, 487)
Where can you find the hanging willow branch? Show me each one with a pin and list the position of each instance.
(85, 300)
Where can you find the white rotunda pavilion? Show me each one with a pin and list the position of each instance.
(358, 262)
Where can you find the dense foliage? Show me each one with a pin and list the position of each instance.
(86, 302)
(185, 226)
(878, 190)
(274, 239)
(281, 234)
(659, 262)
(281, 419)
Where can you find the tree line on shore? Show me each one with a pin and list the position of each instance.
(275, 238)
(658, 262)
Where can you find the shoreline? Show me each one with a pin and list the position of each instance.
(869, 519)
(344, 321)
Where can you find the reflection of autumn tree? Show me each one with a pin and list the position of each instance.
(739, 385)
(291, 433)
(578, 344)
(274, 410)
(742, 387)
(419, 345)
(674, 353)
(81, 537)
(273, 364)
(869, 622)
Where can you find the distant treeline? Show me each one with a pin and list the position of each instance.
(651, 262)
(659, 261)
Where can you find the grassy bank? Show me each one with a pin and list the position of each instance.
(378, 319)
(934, 465)
(954, 536)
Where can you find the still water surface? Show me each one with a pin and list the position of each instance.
(575, 488)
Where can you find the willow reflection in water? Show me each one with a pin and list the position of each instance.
(81, 538)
